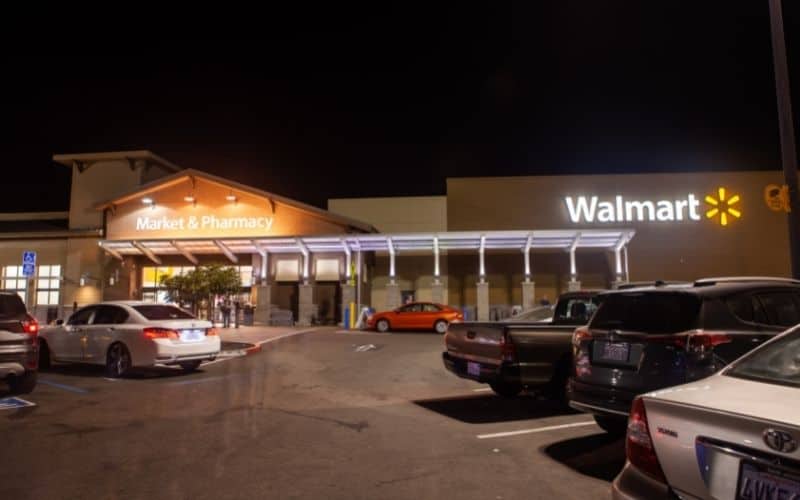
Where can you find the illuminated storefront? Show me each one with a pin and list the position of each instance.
(490, 244)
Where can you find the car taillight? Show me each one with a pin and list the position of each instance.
(30, 326)
(212, 332)
(700, 342)
(579, 335)
(154, 332)
(507, 349)
(639, 444)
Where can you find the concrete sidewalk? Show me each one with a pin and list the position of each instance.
(250, 339)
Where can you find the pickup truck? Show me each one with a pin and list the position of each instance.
(523, 353)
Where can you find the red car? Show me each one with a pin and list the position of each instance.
(416, 316)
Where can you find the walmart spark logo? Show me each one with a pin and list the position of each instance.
(723, 206)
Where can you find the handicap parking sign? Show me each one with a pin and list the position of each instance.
(29, 257)
(28, 270)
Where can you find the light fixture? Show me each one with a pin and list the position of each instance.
(147, 200)
(231, 197)
(189, 198)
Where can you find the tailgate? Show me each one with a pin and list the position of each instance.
(475, 341)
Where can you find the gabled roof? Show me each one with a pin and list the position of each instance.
(189, 173)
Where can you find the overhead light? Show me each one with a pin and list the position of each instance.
(231, 197)
(189, 198)
(147, 200)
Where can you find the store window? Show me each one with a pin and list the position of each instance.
(152, 290)
(14, 280)
(48, 282)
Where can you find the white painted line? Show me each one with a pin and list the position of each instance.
(290, 334)
(482, 389)
(533, 431)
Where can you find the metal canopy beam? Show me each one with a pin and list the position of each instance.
(226, 252)
(146, 251)
(306, 258)
(186, 253)
(112, 252)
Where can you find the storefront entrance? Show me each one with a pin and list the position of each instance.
(329, 302)
(285, 297)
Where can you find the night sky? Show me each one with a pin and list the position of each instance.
(392, 103)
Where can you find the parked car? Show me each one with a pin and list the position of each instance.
(645, 339)
(123, 335)
(415, 316)
(516, 354)
(18, 344)
(732, 435)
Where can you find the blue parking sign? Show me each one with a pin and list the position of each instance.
(28, 270)
(29, 257)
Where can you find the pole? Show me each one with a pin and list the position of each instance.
(786, 126)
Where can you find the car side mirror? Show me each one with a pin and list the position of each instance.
(59, 322)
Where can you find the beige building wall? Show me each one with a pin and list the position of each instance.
(403, 214)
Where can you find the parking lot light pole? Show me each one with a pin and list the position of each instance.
(786, 126)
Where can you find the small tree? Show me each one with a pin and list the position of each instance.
(202, 283)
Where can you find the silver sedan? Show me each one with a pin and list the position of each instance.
(733, 435)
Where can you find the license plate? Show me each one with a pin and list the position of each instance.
(757, 482)
(615, 351)
(192, 335)
(474, 369)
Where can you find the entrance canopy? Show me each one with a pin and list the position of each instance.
(488, 240)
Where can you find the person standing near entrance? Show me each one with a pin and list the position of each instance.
(226, 314)
(236, 306)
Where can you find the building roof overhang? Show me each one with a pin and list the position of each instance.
(604, 239)
(85, 160)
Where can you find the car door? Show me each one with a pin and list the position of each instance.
(102, 331)
(428, 316)
(68, 344)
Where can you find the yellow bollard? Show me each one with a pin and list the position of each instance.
(352, 315)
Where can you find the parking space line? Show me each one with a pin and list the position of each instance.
(534, 431)
(259, 344)
(65, 387)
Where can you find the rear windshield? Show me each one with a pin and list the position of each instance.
(776, 363)
(11, 306)
(656, 313)
(162, 312)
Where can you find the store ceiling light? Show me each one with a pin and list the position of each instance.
(189, 199)
(231, 197)
(147, 200)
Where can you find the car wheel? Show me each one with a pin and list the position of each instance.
(118, 361)
(505, 389)
(382, 325)
(191, 366)
(23, 384)
(44, 355)
(440, 326)
(613, 426)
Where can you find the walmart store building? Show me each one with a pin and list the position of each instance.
(489, 244)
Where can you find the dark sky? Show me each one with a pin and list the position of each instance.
(392, 103)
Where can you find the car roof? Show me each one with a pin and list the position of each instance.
(710, 288)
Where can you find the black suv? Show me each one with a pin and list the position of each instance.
(644, 339)
(19, 347)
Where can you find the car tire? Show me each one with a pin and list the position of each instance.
(23, 384)
(118, 360)
(613, 426)
(440, 326)
(190, 366)
(44, 356)
(506, 389)
(382, 325)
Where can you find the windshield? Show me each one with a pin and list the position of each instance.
(777, 362)
(162, 312)
(656, 313)
(536, 314)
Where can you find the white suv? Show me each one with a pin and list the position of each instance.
(122, 335)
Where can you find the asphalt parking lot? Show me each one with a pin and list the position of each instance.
(317, 415)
